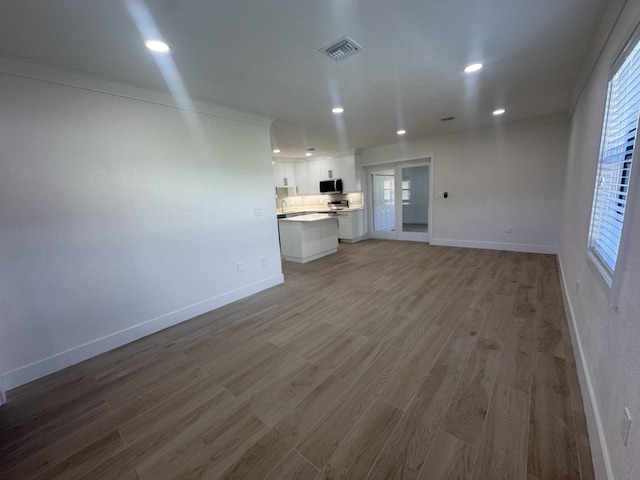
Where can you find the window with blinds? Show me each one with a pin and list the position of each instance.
(616, 158)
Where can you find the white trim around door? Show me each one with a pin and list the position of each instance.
(400, 200)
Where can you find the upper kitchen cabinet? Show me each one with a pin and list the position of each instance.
(310, 172)
(284, 174)
(307, 174)
(343, 167)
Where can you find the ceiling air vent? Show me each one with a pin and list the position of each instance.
(341, 48)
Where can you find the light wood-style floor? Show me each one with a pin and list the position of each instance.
(387, 360)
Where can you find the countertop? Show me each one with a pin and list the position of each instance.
(311, 217)
(315, 209)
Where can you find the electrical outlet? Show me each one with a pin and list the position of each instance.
(263, 261)
(626, 426)
(257, 211)
(509, 229)
(240, 267)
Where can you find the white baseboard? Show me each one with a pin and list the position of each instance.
(597, 440)
(511, 247)
(41, 368)
(352, 240)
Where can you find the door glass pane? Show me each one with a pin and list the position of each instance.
(383, 200)
(415, 198)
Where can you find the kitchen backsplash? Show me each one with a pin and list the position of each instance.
(315, 201)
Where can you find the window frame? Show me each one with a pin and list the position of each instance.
(406, 192)
(611, 279)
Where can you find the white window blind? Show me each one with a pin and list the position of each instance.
(616, 158)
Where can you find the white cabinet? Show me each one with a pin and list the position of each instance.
(351, 226)
(284, 174)
(343, 167)
(302, 177)
(349, 173)
(327, 169)
(308, 237)
(307, 177)
(310, 172)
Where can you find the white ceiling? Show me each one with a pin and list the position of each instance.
(263, 56)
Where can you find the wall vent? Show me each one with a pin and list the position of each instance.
(341, 48)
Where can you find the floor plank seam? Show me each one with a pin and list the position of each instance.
(309, 461)
(384, 447)
(283, 459)
(124, 442)
(529, 417)
(439, 423)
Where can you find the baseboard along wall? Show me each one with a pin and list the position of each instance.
(599, 452)
(3, 393)
(59, 361)
(510, 247)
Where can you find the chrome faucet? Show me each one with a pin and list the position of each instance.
(282, 205)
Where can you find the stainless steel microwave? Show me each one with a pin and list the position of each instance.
(331, 186)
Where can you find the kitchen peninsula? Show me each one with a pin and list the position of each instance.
(307, 237)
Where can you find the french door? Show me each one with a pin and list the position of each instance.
(399, 196)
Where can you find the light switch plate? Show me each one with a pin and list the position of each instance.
(257, 211)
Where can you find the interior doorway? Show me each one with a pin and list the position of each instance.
(400, 201)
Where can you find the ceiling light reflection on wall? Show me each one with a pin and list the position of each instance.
(156, 46)
(499, 111)
(474, 67)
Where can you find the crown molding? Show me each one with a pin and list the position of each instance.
(46, 73)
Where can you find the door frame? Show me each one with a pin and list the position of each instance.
(381, 234)
(397, 166)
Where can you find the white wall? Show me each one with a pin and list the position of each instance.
(607, 340)
(120, 217)
(498, 177)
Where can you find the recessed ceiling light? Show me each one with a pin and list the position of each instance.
(308, 154)
(401, 132)
(156, 45)
(277, 150)
(499, 111)
(474, 67)
(337, 110)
